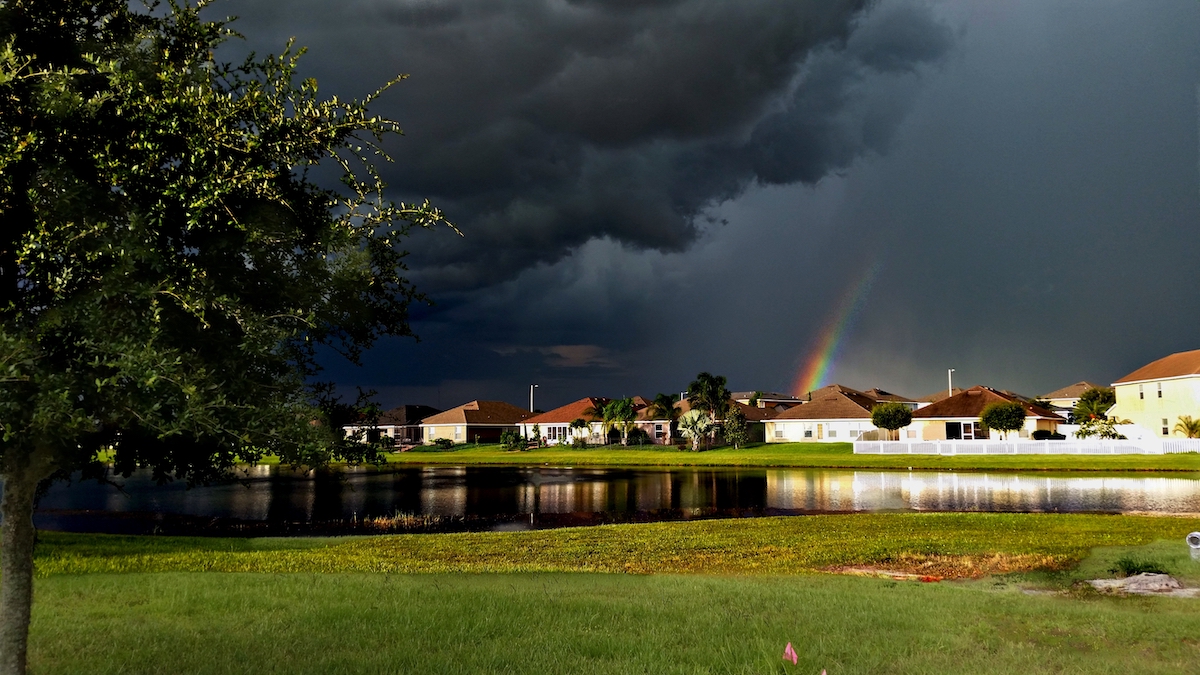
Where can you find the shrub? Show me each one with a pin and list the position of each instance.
(1127, 567)
(1046, 435)
(512, 439)
(443, 443)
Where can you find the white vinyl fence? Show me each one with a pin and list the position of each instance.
(1024, 447)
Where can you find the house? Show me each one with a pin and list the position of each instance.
(401, 424)
(938, 395)
(1156, 395)
(554, 426)
(1062, 401)
(957, 417)
(766, 399)
(481, 421)
(755, 417)
(834, 414)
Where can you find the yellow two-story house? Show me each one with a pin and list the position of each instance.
(1156, 395)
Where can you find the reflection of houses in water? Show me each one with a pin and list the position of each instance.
(597, 493)
(991, 492)
(811, 490)
(444, 491)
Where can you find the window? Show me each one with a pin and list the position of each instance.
(833, 433)
(1165, 430)
(1160, 389)
(911, 433)
(1141, 391)
(458, 432)
(778, 432)
(658, 431)
(552, 433)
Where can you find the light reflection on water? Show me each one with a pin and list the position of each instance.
(277, 494)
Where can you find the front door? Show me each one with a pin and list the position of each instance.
(820, 431)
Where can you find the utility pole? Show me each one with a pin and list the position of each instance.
(949, 380)
(531, 388)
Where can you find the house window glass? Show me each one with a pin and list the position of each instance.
(833, 433)
(778, 432)
(954, 431)
(1141, 391)
(1165, 430)
(458, 433)
(1160, 389)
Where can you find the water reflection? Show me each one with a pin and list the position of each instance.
(274, 494)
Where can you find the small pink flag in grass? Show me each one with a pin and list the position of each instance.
(790, 654)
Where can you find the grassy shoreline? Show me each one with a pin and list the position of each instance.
(719, 596)
(791, 455)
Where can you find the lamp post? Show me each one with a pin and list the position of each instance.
(531, 388)
(949, 380)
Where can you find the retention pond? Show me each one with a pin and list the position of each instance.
(278, 501)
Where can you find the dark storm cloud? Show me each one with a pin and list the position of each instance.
(539, 126)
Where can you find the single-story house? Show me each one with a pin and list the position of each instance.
(554, 426)
(834, 414)
(766, 399)
(957, 417)
(1156, 395)
(401, 424)
(478, 420)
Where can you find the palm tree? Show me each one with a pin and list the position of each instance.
(708, 393)
(581, 429)
(621, 415)
(1189, 427)
(695, 424)
(663, 408)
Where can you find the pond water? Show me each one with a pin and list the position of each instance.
(276, 500)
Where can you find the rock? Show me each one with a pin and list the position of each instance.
(1144, 584)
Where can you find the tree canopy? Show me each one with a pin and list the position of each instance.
(1003, 416)
(1093, 404)
(169, 263)
(891, 415)
(695, 424)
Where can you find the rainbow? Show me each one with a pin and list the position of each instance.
(821, 359)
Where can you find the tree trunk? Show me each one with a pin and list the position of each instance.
(16, 564)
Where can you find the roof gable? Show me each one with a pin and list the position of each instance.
(1180, 364)
(970, 403)
(1071, 391)
(831, 404)
(480, 412)
(585, 408)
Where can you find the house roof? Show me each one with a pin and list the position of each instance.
(970, 403)
(819, 393)
(752, 413)
(881, 395)
(406, 414)
(480, 412)
(571, 412)
(939, 395)
(1072, 391)
(767, 395)
(1175, 365)
(831, 405)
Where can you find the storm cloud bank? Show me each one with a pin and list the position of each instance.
(541, 125)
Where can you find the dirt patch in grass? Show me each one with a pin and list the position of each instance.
(936, 567)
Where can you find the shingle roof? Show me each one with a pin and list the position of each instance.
(881, 395)
(407, 414)
(939, 395)
(571, 412)
(831, 405)
(1175, 365)
(970, 404)
(480, 412)
(1071, 391)
(818, 393)
(752, 413)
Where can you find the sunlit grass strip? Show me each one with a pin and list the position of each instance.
(798, 455)
(786, 545)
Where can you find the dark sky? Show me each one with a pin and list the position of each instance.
(651, 188)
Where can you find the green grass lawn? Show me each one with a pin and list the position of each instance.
(800, 455)
(719, 596)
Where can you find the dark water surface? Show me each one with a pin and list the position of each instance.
(276, 500)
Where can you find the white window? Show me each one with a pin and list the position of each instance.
(1164, 427)
(1160, 389)
(458, 433)
(778, 432)
(911, 433)
(833, 433)
(1141, 391)
(658, 431)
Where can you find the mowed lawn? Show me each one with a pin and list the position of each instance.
(799, 455)
(719, 596)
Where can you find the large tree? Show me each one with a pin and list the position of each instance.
(709, 394)
(168, 263)
(1003, 416)
(891, 415)
(1093, 405)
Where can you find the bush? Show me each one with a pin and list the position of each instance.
(1046, 435)
(1127, 567)
(512, 439)
(443, 443)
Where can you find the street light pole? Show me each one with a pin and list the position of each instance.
(531, 388)
(950, 381)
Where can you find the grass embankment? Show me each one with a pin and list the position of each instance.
(798, 455)
(737, 592)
